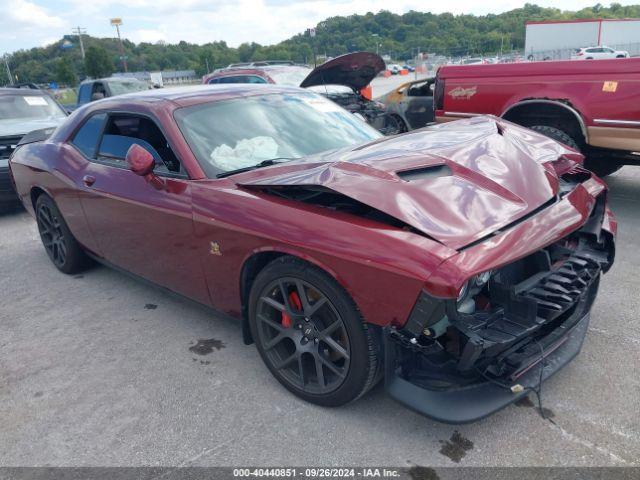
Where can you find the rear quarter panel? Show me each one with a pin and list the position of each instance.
(54, 169)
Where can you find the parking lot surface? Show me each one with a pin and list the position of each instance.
(101, 369)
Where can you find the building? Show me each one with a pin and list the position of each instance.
(557, 39)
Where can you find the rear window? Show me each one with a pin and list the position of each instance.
(238, 79)
(122, 87)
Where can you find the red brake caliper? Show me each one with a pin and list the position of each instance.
(294, 300)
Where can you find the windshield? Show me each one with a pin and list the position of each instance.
(292, 76)
(29, 107)
(240, 133)
(119, 88)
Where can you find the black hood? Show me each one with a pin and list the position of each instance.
(354, 70)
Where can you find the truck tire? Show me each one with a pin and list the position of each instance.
(556, 134)
(602, 167)
(599, 166)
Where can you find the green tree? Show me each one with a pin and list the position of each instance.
(97, 62)
(64, 72)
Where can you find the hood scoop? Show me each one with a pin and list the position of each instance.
(425, 173)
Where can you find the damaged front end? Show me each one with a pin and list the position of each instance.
(459, 360)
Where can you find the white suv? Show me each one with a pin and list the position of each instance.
(598, 53)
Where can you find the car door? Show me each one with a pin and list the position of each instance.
(419, 109)
(143, 227)
(597, 53)
(84, 93)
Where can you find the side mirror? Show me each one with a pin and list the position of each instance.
(140, 160)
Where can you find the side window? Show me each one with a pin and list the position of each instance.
(98, 92)
(84, 94)
(122, 131)
(86, 139)
(213, 81)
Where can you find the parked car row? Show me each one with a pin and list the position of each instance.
(341, 79)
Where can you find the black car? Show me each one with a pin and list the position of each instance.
(22, 111)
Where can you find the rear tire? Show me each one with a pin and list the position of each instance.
(599, 166)
(556, 134)
(324, 354)
(63, 249)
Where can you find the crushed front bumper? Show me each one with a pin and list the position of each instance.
(474, 402)
(458, 364)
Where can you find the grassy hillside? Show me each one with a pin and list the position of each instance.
(397, 34)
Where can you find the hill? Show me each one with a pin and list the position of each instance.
(397, 35)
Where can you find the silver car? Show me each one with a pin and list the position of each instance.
(22, 111)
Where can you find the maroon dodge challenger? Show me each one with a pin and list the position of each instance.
(459, 262)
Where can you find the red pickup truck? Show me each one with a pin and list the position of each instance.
(591, 106)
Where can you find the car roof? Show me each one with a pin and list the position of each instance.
(253, 70)
(112, 79)
(190, 95)
(22, 91)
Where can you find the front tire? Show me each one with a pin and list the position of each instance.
(61, 246)
(311, 335)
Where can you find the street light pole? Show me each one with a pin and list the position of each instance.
(377, 43)
(116, 22)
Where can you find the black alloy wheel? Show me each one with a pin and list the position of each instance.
(52, 235)
(303, 335)
(311, 335)
(61, 246)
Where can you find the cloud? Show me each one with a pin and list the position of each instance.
(27, 23)
(148, 35)
(25, 20)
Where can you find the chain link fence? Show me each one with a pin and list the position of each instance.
(565, 53)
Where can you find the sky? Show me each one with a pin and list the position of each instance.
(34, 23)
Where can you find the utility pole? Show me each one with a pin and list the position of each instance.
(312, 35)
(6, 64)
(116, 22)
(80, 31)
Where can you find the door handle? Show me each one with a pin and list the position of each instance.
(88, 180)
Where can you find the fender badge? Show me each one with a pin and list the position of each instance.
(215, 249)
(610, 87)
(461, 92)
